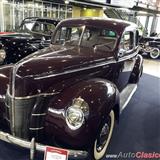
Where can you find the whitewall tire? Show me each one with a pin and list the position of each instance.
(154, 53)
(100, 151)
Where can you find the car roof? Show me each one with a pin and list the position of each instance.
(48, 20)
(41, 19)
(114, 24)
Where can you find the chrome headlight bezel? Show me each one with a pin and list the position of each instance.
(2, 55)
(76, 113)
(74, 118)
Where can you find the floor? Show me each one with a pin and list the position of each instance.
(152, 67)
(139, 126)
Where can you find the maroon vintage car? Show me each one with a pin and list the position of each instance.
(70, 94)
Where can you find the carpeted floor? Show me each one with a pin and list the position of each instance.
(139, 126)
(137, 131)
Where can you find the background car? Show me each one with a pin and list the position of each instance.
(150, 46)
(33, 34)
(6, 32)
(70, 94)
(38, 26)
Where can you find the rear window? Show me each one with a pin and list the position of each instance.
(110, 33)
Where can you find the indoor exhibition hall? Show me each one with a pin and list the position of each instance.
(79, 79)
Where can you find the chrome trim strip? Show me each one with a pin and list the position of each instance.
(33, 96)
(26, 144)
(123, 106)
(2, 97)
(36, 129)
(6, 66)
(7, 119)
(128, 56)
(42, 114)
(12, 115)
(57, 111)
(7, 105)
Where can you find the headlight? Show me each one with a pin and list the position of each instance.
(74, 118)
(2, 55)
(76, 112)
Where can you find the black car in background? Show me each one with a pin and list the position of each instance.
(150, 46)
(33, 34)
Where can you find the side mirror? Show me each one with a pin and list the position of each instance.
(121, 53)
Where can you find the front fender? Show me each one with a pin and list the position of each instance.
(101, 97)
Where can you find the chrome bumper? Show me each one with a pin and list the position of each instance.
(33, 146)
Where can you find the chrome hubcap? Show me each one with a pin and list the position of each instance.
(154, 53)
(101, 141)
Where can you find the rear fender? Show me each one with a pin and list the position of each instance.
(137, 70)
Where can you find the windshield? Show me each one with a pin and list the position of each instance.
(68, 35)
(37, 26)
(26, 26)
(86, 36)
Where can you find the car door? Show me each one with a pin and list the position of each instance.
(126, 57)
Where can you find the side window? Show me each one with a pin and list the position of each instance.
(44, 28)
(127, 41)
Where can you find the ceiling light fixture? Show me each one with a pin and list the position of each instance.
(66, 1)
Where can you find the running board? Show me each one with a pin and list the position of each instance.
(126, 95)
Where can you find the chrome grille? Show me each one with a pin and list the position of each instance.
(22, 110)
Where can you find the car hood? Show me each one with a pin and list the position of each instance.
(54, 65)
(16, 36)
(59, 59)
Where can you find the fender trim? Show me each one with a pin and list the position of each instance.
(126, 95)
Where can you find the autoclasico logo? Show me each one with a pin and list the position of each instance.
(138, 155)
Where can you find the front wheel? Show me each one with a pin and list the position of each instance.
(103, 139)
(154, 53)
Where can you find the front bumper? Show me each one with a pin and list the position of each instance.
(33, 146)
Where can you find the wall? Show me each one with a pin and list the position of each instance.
(13, 12)
(76, 11)
(1, 16)
(91, 12)
(87, 12)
